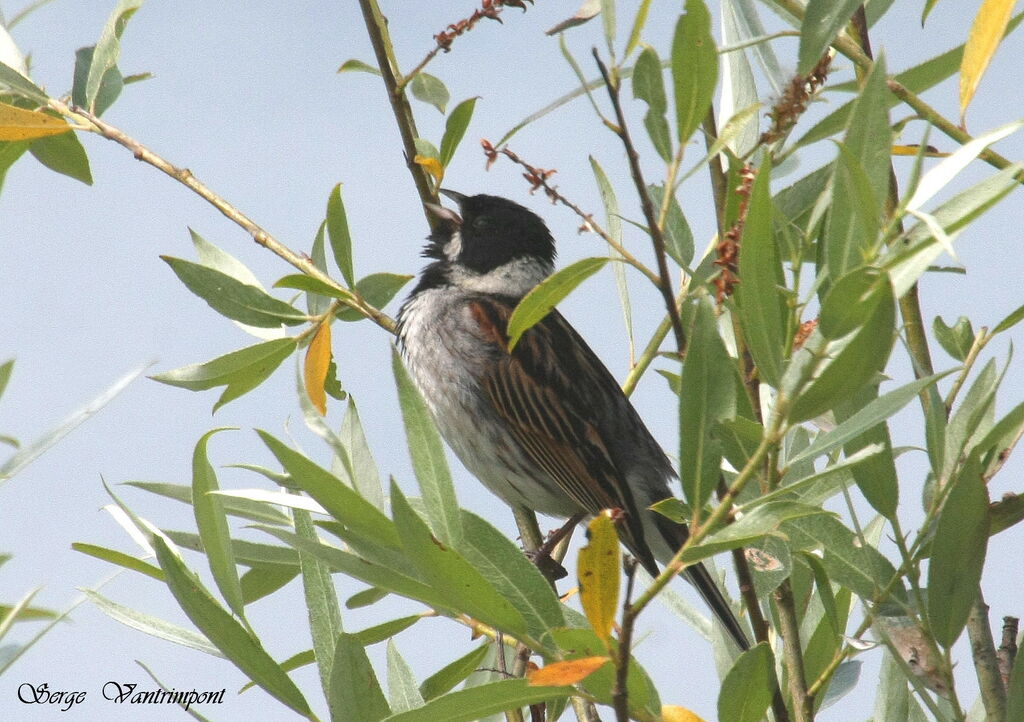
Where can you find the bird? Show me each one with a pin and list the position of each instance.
(543, 425)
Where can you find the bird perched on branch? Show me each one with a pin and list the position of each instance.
(545, 425)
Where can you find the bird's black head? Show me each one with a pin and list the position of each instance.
(488, 232)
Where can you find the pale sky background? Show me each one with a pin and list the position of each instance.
(245, 94)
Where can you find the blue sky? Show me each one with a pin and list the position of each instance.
(246, 95)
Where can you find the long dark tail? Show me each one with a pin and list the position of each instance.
(698, 575)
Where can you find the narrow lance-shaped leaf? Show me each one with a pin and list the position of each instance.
(986, 33)
(212, 524)
(108, 48)
(569, 671)
(474, 703)
(153, 626)
(958, 554)
(707, 396)
(377, 289)
(111, 84)
(428, 460)
(823, 19)
(20, 85)
(649, 87)
(598, 570)
(694, 68)
(614, 221)
(338, 233)
(232, 298)
(355, 693)
(239, 371)
(452, 673)
(548, 294)
(314, 370)
(20, 124)
(63, 154)
(403, 692)
(761, 305)
(228, 635)
(448, 572)
(455, 129)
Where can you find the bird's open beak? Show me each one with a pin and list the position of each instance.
(445, 214)
(454, 195)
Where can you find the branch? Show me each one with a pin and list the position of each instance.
(301, 261)
(620, 692)
(986, 663)
(1008, 649)
(664, 283)
(789, 629)
(377, 29)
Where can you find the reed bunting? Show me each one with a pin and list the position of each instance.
(544, 426)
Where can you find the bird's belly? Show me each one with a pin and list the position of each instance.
(445, 372)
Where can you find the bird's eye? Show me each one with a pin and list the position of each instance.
(481, 222)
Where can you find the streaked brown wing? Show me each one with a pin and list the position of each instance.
(551, 389)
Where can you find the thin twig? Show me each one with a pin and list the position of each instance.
(620, 692)
(650, 214)
(1008, 649)
(986, 663)
(538, 178)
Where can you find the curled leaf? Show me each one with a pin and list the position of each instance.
(570, 671)
(318, 362)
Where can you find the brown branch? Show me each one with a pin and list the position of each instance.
(490, 9)
(650, 213)
(538, 178)
(377, 29)
(1008, 649)
(620, 692)
(986, 663)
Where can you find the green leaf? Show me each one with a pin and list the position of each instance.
(694, 68)
(235, 506)
(823, 19)
(762, 521)
(1015, 693)
(707, 396)
(455, 129)
(10, 152)
(107, 49)
(909, 260)
(972, 418)
(762, 308)
(1000, 439)
(402, 689)
(354, 64)
(826, 371)
(300, 659)
(213, 256)
(452, 673)
(259, 582)
(5, 374)
(1010, 321)
(818, 486)
(428, 460)
(958, 554)
(377, 289)
(649, 87)
(63, 154)
(851, 232)
(110, 87)
(430, 90)
(239, 371)
(212, 524)
(869, 416)
(232, 298)
(548, 294)
(638, 25)
(340, 501)
(614, 225)
(120, 559)
(365, 598)
(747, 689)
(337, 231)
(876, 478)
(678, 236)
(30, 452)
(321, 603)
(317, 303)
(467, 705)
(153, 626)
(956, 339)
(21, 86)
(512, 574)
(365, 475)
(246, 552)
(386, 630)
(450, 574)
(355, 693)
(227, 634)
(302, 282)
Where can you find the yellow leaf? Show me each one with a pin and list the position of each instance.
(675, 713)
(598, 570)
(20, 124)
(570, 671)
(930, 151)
(318, 361)
(986, 34)
(431, 165)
